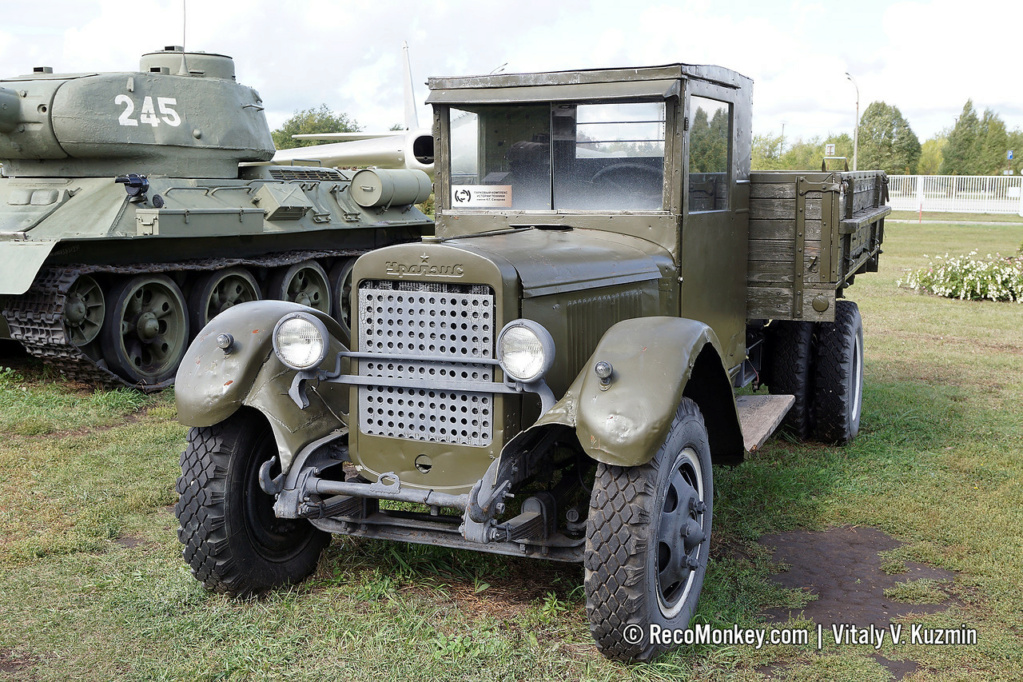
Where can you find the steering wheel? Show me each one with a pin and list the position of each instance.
(636, 179)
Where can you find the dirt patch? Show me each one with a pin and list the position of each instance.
(898, 669)
(129, 541)
(11, 662)
(842, 567)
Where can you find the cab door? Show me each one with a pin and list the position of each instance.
(715, 222)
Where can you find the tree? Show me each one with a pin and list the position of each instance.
(1016, 145)
(958, 155)
(992, 145)
(887, 142)
(800, 155)
(767, 152)
(321, 120)
(931, 154)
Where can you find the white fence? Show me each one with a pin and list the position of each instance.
(957, 193)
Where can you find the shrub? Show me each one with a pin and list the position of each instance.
(969, 278)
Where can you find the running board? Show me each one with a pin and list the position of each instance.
(760, 415)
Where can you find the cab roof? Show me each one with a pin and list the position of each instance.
(653, 82)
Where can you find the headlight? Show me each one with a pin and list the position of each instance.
(525, 350)
(300, 341)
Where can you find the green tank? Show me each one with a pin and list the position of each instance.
(136, 206)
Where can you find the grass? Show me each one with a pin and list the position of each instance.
(94, 586)
(941, 216)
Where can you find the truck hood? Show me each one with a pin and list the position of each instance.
(560, 261)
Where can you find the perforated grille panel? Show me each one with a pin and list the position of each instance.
(283, 173)
(452, 323)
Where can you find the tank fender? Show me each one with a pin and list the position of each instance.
(656, 361)
(20, 262)
(211, 385)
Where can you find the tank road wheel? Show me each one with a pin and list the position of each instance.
(341, 291)
(305, 283)
(839, 392)
(647, 541)
(215, 292)
(233, 541)
(791, 362)
(83, 315)
(146, 331)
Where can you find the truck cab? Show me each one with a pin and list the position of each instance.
(552, 374)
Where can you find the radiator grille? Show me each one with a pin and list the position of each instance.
(452, 323)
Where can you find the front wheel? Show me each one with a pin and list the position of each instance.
(233, 541)
(648, 541)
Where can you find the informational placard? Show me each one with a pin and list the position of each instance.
(481, 196)
(829, 150)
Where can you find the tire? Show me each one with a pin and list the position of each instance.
(640, 569)
(145, 330)
(838, 399)
(790, 371)
(233, 541)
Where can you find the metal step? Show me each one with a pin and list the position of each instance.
(760, 415)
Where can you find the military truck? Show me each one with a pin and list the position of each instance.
(553, 373)
(126, 222)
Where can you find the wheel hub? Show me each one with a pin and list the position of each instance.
(76, 311)
(148, 326)
(680, 533)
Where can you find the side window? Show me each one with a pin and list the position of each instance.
(710, 149)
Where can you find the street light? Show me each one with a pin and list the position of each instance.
(856, 130)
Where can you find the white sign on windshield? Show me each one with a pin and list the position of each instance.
(481, 196)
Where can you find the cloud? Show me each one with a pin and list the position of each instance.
(347, 55)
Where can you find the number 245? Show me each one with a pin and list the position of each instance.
(148, 113)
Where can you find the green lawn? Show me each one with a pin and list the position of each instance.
(958, 217)
(94, 587)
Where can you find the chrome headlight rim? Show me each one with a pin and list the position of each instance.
(543, 337)
(319, 327)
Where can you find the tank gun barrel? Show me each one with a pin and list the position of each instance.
(10, 110)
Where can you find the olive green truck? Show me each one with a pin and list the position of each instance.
(554, 373)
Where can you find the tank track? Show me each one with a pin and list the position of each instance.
(36, 318)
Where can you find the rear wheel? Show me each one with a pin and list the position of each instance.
(839, 378)
(233, 541)
(145, 333)
(648, 541)
(790, 371)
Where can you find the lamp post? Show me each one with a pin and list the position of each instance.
(856, 130)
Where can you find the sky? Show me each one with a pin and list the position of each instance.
(927, 57)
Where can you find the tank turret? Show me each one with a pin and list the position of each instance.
(126, 222)
(182, 114)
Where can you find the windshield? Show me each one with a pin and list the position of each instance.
(558, 156)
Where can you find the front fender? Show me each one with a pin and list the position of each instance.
(211, 385)
(654, 361)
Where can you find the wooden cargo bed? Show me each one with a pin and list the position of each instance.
(810, 233)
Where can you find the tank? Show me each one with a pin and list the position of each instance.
(136, 206)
